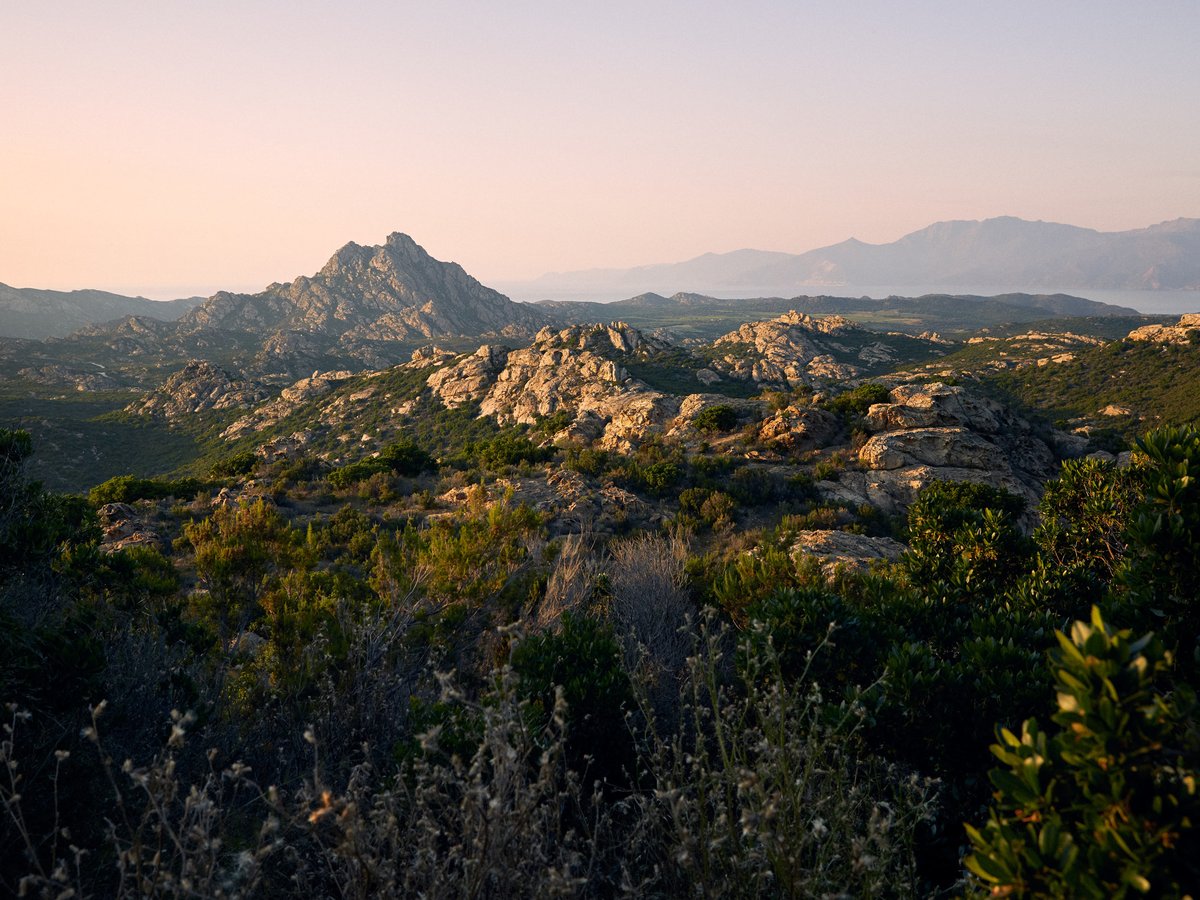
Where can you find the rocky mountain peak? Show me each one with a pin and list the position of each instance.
(400, 241)
(363, 303)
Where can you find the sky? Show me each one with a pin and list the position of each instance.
(174, 149)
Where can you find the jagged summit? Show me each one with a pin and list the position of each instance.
(367, 296)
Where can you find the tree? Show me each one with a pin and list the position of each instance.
(239, 549)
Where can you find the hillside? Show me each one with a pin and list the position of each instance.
(698, 317)
(1120, 389)
(37, 314)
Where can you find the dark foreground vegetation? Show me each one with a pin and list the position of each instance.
(368, 707)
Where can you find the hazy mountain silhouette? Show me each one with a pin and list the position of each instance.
(1005, 252)
(35, 313)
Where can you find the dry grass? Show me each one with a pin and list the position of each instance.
(762, 790)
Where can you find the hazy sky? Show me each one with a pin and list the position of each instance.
(172, 148)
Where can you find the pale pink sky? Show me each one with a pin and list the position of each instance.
(180, 148)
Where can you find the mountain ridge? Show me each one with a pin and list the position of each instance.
(1003, 251)
(38, 313)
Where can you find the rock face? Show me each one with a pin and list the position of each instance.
(799, 428)
(363, 297)
(290, 399)
(575, 371)
(122, 527)
(839, 549)
(198, 387)
(937, 432)
(1185, 331)
(791, 350)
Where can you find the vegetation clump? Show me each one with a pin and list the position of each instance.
(342, 690)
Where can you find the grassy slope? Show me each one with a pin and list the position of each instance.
(1160, 383)
(81, 440)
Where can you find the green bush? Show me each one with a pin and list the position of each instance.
(856, 402)
(127, 488)
(716, 419)
(1105, 805)
(239, 464)
(967, 536)
(401, 458)
(584, 661)
(660, 478)
(509, 449)
(1162, 571)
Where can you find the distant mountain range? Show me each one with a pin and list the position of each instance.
(37, 314)
(1001, 253)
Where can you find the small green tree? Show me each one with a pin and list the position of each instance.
(239, 549)
(1105, 805)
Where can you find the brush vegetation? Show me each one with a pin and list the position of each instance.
(338, 689)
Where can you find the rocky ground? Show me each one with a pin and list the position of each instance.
(579, 378)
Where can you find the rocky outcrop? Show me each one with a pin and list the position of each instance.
(842, 550)
(791, 350)
(1185, 331)
(65, 376)
(797, 428)
(429, 355)
(576, 371)
(289, 400)
(122, 527)
(938, 432)
(956, 447)
(683, 425)
(198, 387)
(470, 379)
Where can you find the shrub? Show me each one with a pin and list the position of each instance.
(587, 461)
(127, 488)
(401, 458)
(1104, 806)
(238, 549)
(660, 478)
(761, 792)
(1163, 567)
(856, 402)
(239, 464)
(966, 535)
(510, 449)
(581, 663)
(721, 417)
